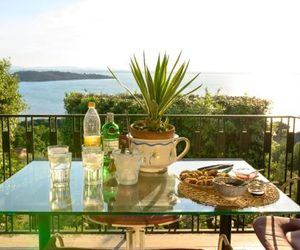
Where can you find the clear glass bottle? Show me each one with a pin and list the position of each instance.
(91, 126)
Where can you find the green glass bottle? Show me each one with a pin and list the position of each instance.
(110, 134)
(110, 141)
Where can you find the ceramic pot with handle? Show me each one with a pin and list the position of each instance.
(157, 155)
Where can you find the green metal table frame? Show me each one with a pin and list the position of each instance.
(44, 230)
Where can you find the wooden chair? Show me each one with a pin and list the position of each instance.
(276, 232)
(223, 243)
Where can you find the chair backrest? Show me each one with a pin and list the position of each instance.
(274, 232)
(223, 243)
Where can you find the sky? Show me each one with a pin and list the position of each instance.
(215, 35)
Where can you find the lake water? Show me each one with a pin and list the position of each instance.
(47, 97)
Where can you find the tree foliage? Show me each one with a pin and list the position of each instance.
(10, 103)
(38, 76)
(10, 99)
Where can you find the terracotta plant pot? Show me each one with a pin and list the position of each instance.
(151, 135)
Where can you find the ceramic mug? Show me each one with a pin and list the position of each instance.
(157, 155)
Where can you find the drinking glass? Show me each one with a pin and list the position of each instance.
(60, 166)
(57, 149)
(256, 187)
(92, 159)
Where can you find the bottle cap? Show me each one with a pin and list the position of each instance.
(91, 105)
(110, 117)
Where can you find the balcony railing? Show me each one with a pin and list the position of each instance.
(269, 143)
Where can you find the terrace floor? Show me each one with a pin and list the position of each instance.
(240, 241)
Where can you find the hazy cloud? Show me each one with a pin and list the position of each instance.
(231, 35)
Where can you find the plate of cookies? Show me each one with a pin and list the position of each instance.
(202, 179)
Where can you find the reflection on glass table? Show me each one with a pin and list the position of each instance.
(60, 198)
(93, 198)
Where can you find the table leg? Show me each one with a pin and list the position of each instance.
(225, 226)
(44, 230)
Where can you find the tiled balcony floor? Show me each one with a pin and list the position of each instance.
(245, 241)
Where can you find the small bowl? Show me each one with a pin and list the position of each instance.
(245, 173)
(229, 188)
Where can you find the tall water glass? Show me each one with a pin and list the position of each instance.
(57, 149)
(60, 167)
(92, 159)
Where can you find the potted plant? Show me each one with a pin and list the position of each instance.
(159, 91)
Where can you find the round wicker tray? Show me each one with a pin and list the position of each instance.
(211, 197)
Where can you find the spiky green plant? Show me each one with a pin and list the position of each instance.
(159, 91)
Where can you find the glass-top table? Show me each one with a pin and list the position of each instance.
(29, 191)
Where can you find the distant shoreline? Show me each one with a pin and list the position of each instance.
(42, 76)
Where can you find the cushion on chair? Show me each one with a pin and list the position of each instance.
(293, 238)
(272, 231)
(134, 220)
